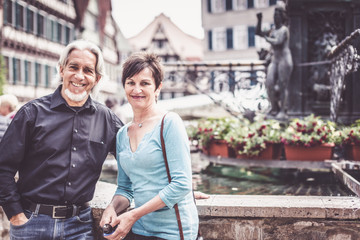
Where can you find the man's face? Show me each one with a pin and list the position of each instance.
(79, 77)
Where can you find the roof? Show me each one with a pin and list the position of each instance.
(186, 46)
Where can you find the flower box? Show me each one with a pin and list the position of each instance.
(314, 153)
(271, 152)
(218, 148)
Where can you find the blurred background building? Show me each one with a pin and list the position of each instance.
(33, 34)
(229, 27)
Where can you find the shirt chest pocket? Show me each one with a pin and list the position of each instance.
(97, 151)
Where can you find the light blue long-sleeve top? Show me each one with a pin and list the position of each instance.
(142, 175)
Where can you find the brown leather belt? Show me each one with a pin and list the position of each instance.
(55, 211)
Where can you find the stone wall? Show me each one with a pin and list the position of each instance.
(245, 217)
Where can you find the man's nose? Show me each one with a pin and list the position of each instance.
(79, 74)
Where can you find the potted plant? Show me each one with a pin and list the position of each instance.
(212, 132)
(259, 140)
(348, 138)
(310, 138)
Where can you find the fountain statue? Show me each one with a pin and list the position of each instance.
(281, 64)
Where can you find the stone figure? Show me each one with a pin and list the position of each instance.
(281, 65)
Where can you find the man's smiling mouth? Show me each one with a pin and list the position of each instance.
(77, 84)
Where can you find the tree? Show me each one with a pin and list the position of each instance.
(2, 74)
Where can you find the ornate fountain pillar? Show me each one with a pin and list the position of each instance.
(316, 26)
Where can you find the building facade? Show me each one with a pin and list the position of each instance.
(229, 27)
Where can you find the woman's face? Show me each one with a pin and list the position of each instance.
(140, 89)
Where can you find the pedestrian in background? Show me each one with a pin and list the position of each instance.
(4, 123)
(8, 105)
(58, 144)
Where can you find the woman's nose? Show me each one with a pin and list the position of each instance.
(137, 89)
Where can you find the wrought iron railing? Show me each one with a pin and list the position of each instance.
(237, 86)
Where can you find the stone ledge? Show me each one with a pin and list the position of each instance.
(310, 207)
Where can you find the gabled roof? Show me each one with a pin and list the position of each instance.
(186, 46)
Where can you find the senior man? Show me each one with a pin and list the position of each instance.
(58, 144)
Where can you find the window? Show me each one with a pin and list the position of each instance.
(240, 4)
(209, 6)
(210, 39)
(219, 39)
(67, 35)
(250, 3)
(47, 75)
(59, 33)
(29, 21)
(16, 71)
(19, 20)
(8, 7)
(49, 29)
(229, 38)
(272, 2)
(40, 25)
(261, 3)
(6, 59)
(37, 74)
(251, 36)
(218, 6)
(27, 72)
(228, 5)
(160, 44)
(240, 37)
(54, 30)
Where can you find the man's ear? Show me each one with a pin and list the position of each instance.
(61, 71)
(98, 77)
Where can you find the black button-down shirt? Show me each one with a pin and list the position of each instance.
(58, 151)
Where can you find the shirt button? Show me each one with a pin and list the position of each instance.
(75, 130)
(74, 148)
(69, 183)
(73, 165)
(102, 142)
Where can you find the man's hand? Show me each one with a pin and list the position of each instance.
(18, 219)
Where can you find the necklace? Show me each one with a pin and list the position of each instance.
(140, 125)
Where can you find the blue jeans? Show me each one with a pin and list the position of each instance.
(44, 227)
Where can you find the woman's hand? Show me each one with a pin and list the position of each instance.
(125, 222)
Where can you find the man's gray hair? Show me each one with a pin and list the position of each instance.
(83, 45)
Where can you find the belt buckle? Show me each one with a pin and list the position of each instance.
(54, 212)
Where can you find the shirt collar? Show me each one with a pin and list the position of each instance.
(57, 100)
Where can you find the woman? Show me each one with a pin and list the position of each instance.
(141, 168)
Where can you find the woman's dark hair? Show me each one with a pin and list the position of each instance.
(138, 62)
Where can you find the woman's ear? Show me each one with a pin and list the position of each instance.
(157, 92)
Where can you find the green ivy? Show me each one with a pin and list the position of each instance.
(2, 74)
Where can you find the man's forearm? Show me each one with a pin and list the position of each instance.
(120, 203)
